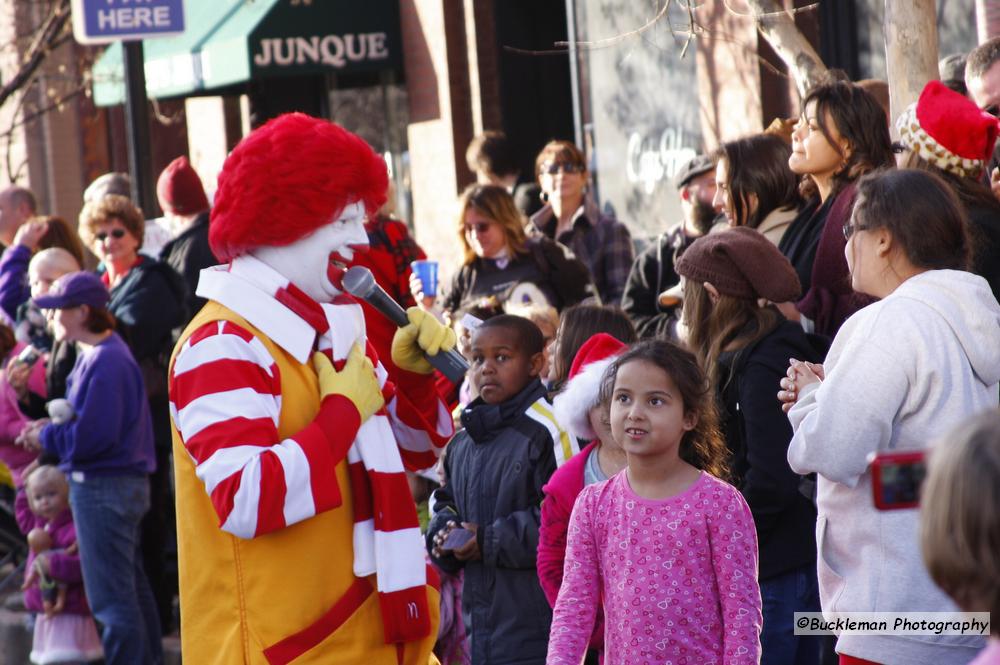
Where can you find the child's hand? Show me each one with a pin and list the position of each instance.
(30, 436)
(30, 579)
(470, 550)
(17, 377)
(440, 537)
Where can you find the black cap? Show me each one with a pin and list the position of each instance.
(692, 169)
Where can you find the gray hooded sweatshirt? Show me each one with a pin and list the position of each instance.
(902, 373)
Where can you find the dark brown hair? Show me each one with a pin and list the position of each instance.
(7, 342)
(921, 212)
(730, 324)
(60, 234)
(496, 204)
(971, 191)
(758, 165)
(579, 323)
(982, 58)
(564, 151)
(490, 153)
(98, 320)
(860, 120)
(702, 447)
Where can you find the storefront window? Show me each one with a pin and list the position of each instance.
(375, 108)
(639, 108)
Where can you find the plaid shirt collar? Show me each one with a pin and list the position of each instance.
(586, 216)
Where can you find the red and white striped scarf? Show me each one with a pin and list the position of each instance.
(387, 538)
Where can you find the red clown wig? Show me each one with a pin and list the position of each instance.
(288, 178)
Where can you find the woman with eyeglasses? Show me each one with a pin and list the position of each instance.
(572, 218)
(945, 133)
(502, 264)
(841, 135)
(901, 374)
(147, 301)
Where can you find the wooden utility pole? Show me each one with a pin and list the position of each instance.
(911, 50)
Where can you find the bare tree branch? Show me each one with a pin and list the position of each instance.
(49, 34)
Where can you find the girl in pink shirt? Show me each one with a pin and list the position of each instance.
(669, 548)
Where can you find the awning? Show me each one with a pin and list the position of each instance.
(229, 42)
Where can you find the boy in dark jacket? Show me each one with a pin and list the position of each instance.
(495, 468)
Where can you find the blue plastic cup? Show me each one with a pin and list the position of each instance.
(427, 273)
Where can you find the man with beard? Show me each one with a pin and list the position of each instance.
(653, 271)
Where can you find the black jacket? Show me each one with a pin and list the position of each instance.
(984, 231)
(148, 303)
(495, 469)
(758, 434)
(547, 269)
(188, 254)
(652, 274)
(801, 239)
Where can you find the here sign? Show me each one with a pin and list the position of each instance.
(103, 21)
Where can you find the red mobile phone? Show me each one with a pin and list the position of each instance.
(896, 479)
(456, 539)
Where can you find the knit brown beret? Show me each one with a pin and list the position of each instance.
(742, 263)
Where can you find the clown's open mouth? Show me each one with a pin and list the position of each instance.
(336, 269)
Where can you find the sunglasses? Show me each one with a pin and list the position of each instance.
(478, 227)
(117, 234)
(849, 229)
(552, 168)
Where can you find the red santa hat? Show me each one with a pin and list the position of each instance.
(948, 130)
(288, 178)
(583, 387)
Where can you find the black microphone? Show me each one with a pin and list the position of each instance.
(360, 283)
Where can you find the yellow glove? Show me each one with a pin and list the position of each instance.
(356, 381)
(423, 335)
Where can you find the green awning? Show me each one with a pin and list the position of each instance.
(232, 41)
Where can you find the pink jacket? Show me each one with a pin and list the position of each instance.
(64, 567)
(560, 495)
(12, 420)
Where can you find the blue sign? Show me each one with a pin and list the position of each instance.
(102, 21)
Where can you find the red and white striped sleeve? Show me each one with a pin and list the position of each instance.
(419, 418)
(225, 401)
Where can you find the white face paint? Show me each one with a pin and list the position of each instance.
(316, 263)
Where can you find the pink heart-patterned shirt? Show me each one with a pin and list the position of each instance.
(678, 577)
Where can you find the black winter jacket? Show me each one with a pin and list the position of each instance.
(547, 268)
(188, 254)
(758, 433)
(652, 274)
(495, 469)
(148, 303)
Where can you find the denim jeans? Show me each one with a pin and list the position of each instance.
(107, 511)
(781, 597)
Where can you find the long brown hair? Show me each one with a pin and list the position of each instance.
(730, 324)
(579, 323)
(702, 447)
(60, 234)
(496, 204)
(860, 120)
(758, 165)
